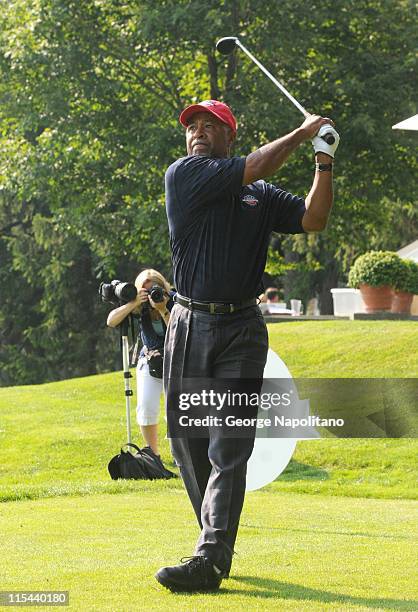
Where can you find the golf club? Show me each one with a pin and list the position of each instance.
(227, 44)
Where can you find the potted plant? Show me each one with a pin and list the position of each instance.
(405, 287)
(374, 273)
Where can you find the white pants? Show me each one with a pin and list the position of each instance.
(148, 390)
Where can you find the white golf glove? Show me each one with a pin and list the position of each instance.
(319, 144)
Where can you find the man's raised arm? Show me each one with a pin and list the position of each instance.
(266, 160)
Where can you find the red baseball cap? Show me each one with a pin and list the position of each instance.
(219, 109)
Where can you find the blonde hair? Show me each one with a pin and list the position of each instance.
(155, 277)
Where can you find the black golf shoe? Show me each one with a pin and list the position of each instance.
(194, 574)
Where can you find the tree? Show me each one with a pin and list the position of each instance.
(90, 93)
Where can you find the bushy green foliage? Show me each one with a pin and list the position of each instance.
(90, 93)
(408, 278)
(376, 268)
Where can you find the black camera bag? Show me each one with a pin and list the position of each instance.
(143, 465)
(155, 359)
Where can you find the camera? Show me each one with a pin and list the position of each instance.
(156, 293)
(117, 292)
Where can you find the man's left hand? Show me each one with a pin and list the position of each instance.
(319, 143)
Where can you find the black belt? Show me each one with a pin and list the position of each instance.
(213, 307)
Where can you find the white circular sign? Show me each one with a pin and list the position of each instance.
(270, 455)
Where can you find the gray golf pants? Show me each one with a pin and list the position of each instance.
(213, 468)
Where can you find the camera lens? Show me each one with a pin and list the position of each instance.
(117, 292)
(125, 292)
(156, 294)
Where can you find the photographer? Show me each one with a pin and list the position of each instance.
(153, 316)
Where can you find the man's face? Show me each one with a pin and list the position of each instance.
(206, 135)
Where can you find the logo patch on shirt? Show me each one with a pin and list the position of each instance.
(250, 201)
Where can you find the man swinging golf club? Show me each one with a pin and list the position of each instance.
(221, 214)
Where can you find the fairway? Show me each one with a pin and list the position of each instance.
(336, 531)
(295, 552)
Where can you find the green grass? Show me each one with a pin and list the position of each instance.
(334, 532)
(348, 349)
(294, 552)
(57, 438)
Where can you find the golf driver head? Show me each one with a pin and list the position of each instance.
(226, 45)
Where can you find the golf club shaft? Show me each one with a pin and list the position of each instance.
(272, 78)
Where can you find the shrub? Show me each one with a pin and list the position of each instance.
(376, 268)
(408, 277)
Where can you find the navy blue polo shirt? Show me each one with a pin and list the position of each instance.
(220, 229)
